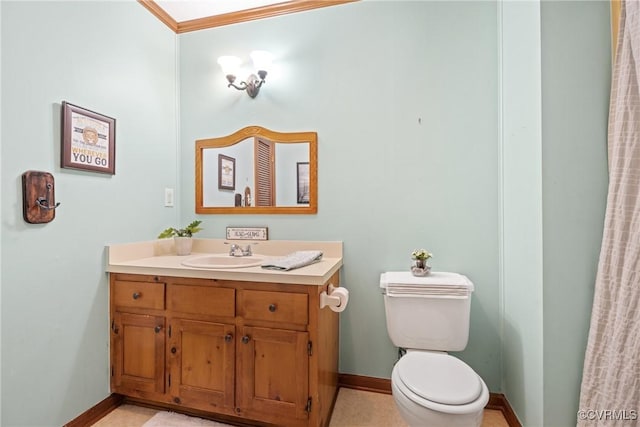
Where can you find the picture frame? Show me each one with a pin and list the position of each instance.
(88, 140)
(302, 175)
(226, 172)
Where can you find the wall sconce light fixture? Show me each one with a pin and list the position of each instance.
(261, 62)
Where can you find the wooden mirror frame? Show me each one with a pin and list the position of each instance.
(279, 137)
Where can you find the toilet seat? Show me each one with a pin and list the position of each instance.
(439, 377)
(440, 382)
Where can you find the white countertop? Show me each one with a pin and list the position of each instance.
(158, 257)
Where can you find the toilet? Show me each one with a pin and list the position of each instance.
(427, 317)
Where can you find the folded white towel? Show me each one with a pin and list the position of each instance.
(294, 260)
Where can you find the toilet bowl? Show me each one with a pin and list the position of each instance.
(429, 316)
(437, 389)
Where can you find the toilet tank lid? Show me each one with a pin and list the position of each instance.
(440, 280)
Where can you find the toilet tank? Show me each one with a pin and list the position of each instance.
(427, 313)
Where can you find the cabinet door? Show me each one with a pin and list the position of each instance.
(273, 374)
(202, 359)
(138, 353)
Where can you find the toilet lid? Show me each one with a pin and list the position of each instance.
(439, 377)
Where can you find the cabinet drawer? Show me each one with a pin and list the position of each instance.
(138, 294)
(202, 300)
(284, 307)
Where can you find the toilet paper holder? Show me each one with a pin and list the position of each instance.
(328, 300)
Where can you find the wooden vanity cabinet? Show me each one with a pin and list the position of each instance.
(201, 345)
(138, 336)
(261, 352)
(274, 353)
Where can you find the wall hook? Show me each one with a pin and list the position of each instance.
(44, 204)
(38, 197)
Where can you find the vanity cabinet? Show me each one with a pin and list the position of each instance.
(263, 353)
(201, 345)
(138, 337)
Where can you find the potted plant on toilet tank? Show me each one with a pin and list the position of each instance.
(419, 266)
(182, 236)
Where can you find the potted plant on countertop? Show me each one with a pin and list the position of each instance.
(182, 237)
(419, 266)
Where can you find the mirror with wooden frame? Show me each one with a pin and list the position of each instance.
(257, 171)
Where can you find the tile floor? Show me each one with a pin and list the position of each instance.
(354, 408)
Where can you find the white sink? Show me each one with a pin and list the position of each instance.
(222, 261)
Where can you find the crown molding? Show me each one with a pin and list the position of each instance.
(278, 9)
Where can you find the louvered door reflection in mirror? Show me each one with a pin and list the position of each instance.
(257, 170)
(265, 182)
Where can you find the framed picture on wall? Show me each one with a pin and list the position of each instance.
(226, 172)
(88, 140)
(303, 182)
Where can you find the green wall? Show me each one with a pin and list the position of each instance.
(555, 90)
(521, 210)
(576, 73)
(1, 203)
(403, 96)
(117, 59)
(474, 129)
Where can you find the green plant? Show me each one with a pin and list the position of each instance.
(421, 254)
(188, 231)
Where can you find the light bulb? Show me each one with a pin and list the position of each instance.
(261, 60)
(229, 64)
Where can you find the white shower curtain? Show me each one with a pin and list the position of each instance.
(610, 393)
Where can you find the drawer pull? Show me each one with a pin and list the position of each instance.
(228, 338)
(157, 329)
(136, 295)
(173, 350)
(245, 339)
(272, 307)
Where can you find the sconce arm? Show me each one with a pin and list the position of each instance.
(243, 85)
(252, 85)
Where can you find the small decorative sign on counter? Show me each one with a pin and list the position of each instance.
(247, 233)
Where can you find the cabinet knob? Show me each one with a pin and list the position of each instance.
(157, 329)
(245, 339)
(228, 337)
(173, 350)
(272, 307)
(136, 295)
(176, 400)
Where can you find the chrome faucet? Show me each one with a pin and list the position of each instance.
(236, 250)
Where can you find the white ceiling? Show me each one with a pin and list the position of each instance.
(186, 10)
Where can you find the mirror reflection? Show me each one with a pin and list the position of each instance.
(256, 170)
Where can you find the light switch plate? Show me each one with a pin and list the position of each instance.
(168, 197)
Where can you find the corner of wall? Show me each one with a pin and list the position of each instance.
(1, 222)
(178, 178)
(520, 181)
